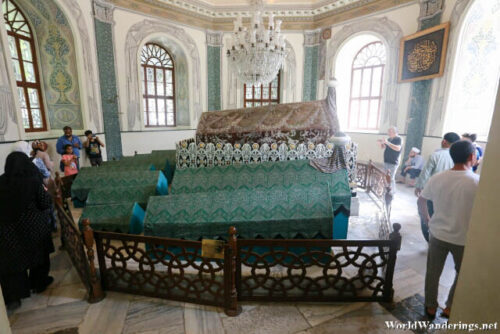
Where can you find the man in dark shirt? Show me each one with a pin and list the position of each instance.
(392, 151)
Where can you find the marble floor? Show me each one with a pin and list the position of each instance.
(62, 308)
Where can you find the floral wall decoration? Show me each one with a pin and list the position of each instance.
(57, 62)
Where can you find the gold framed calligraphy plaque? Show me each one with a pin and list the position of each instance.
(422, 55)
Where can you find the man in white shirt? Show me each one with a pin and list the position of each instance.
(413, 166)
(452, 193)
(439, 161)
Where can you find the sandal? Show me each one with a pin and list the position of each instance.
(431, 315)
(446, 313)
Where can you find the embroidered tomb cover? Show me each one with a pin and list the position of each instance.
(292, 211)
(314, 122)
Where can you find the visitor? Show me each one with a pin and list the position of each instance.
(392, 152)
(25, 232)
(452, 193)
(69, 139)
(413, 166)
(439, 161)
(40, 151)
(69, 160)
(479, 150)
(42, 160)
(93, 148)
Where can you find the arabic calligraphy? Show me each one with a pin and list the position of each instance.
(422, 56)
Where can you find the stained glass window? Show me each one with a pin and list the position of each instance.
(367, 76)
(257, 96)
(158, 86)
(24, 62)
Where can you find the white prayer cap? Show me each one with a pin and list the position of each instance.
(416, 150)
(22, 146)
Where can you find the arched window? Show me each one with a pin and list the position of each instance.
(367, 75)
(22, 51)
(158, 86)
(476, 71)
(256, 96)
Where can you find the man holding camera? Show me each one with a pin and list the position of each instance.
(392, 151)
(93, 148)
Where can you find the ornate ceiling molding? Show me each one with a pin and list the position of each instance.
(312, 37)
(299, 10)
(103, 11)
(430, 8)
(214, 38)
(301, 17)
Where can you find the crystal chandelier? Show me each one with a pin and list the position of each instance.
(257, 54)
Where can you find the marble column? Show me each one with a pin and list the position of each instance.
(311, 57)
(214, 50)
(103, 20)
(430, 15)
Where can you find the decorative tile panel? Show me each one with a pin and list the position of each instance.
(57, 63)
(310, 73)
(109, 95)
(213, 69)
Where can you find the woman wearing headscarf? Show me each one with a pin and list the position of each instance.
(25, 232)
(42, 161)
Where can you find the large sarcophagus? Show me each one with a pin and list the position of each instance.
(306, 122)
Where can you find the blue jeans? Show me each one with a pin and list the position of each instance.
(425, 228)
(414, 173)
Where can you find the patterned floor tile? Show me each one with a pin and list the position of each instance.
(369, 319)
(200, 319)
(67, 294)
(318, 313)
(268, 318)
(153, 315)
(107, 316)
(51, 318)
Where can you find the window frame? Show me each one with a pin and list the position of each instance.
(368, 98)
(146, 97)
(24, 84)
(269, 100)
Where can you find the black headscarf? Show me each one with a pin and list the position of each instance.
(18, 185)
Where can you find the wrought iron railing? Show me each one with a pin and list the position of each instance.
(78, 245)
(173, 269)
(377, 183)
(264, 270)
(317, 270)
